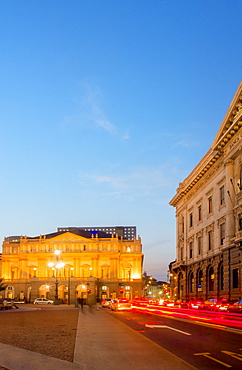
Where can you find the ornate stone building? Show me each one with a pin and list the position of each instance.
(68, 265)
(209, 218)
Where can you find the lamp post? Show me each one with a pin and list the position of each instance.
(55, 266)
(69, 285)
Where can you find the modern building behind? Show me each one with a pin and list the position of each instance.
(126, 232)
(209, 218)
(89, 265)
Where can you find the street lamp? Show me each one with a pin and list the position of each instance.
(69, 285)
(55, 266)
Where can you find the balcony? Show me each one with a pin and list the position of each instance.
(178, 264)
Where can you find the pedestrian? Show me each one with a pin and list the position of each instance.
(5, 304)
(81, 301)
(90, 304)
(98, 303)
(13, 304)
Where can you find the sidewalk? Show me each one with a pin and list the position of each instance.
(102, 343)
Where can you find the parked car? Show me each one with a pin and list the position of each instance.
(236, 307)
(43, 301)
(120, 304)
(106, 302)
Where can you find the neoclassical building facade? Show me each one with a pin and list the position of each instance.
(209, 218)
(69, 265)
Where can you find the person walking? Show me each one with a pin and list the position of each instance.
(81, 301)
(98, 303)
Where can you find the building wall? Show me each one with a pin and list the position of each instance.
(89, 263)
(208, 207)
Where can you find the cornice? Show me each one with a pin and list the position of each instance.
(230, 126)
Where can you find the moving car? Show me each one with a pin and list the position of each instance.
(182, 303)
(236, 307)
(223, 304)
(120, 305)
(106, 302)
(43, 301)
(196, 304)
(209, 304)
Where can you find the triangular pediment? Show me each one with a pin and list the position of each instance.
(68, 236)
(233, 115)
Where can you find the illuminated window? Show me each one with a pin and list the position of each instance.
(210, 279)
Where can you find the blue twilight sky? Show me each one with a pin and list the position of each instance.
(105, 106)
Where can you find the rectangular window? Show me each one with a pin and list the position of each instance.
(199, 245)
(235, 278)
(191, 220)
(222, 195)
(182, 253)
(240, 222)
(210, 242)
(210, 205)
(199, 213)
(222, 234)
(191, 249)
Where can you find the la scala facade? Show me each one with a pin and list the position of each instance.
(65, 266)
(208, 207)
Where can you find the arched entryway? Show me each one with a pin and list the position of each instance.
(210, 279)
(220, 278)
(81, 291)
(180, 286)
(190, 282)
(44, 291)
(199, 285)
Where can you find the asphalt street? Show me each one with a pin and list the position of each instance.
(203, 345)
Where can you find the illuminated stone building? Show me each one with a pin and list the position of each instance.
(209, 218)
(73, 264)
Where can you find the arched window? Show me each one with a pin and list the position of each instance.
(199, 280)
(210, 279)
(221, 276)
(180, 286)
(191, 282)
